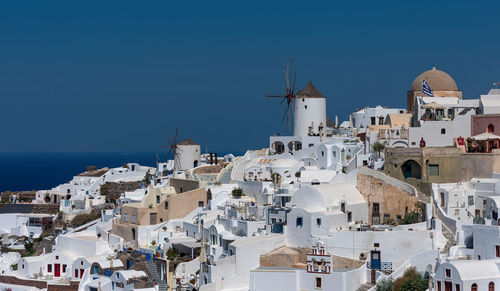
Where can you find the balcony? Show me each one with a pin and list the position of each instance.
(384, 266)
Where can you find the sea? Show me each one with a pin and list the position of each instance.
(42, 171)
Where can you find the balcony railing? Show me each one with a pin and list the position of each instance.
(384, 266)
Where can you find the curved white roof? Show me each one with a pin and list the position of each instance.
(319, 197)
(283, 163)
(476, 269)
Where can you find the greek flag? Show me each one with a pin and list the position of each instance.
(426, 89)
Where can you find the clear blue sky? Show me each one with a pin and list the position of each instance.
(115, 76)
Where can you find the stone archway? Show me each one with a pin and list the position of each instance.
(411, 169)
(279, 147)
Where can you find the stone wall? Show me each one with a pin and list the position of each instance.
(73, 286)
(125, 231)
(478, 165)
(394, 197)
(447, 159)
(115, 189)
(46, 208)
(23, 282)
(292, 257)
(183, 185)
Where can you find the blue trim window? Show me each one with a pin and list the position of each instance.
(299, 221)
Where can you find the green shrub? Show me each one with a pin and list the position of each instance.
(411, 280)
(385, 284)
(171, 254)
(82, 219)
(237, 193)
(389, 221)
(412, 217)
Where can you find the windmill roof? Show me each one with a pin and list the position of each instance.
(188, 141)
(310, 91)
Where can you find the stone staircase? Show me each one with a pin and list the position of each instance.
(162, 285)
(448, 234)
(450, 237)
(365, 287)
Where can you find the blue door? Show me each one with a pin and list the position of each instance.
(148, 256)
(375, 260)
(96, 270)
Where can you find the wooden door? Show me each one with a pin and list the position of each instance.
(57, 270)
(373, 276)
(375, 261)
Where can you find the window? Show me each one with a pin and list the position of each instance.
(342, 207)
(299, 221)
(49, 268)
(200, 203)
(443, 130)
(157, 199)
(349, 216)
(433, 170)
(322, 153)
(376, 208)
(133, 218)
(373, 120)
(125, 217)
(57, 257)
(457, 287)
(317, 283)
(305, 106)
(64, 268)
(166, 204)
(447, 273)
(497, 251)
(318, 221)
(473, 287)
(76, 273)
(381, 120)
(490, 128)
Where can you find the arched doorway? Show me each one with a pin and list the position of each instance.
(279, 147)
(490, 128)
(469, 242)
(411, 169)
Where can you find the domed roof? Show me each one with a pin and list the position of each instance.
(437, 80)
